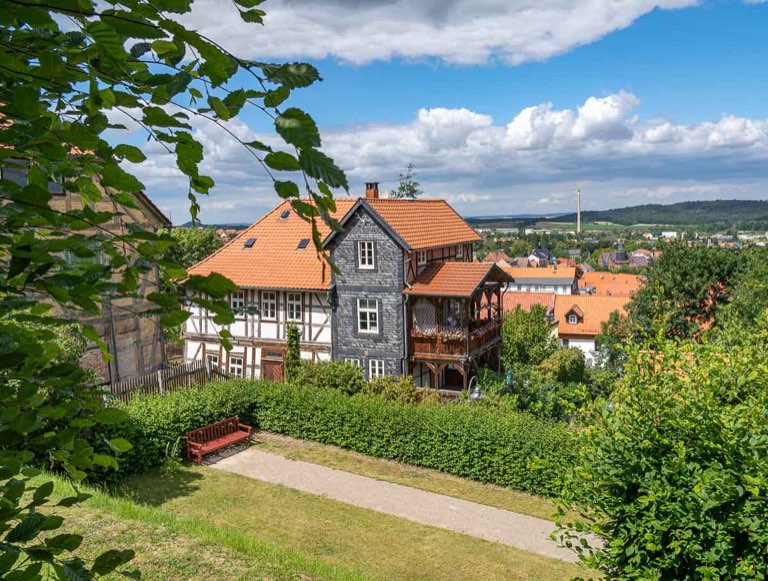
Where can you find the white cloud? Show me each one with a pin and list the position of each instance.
(483, 166)
(456, 31)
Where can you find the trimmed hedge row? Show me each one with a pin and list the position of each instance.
(472, 442)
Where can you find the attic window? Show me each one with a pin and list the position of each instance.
(284, 214)
(303, 243)
(249, 243)
(573, 319)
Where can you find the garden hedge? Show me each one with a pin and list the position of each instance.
(469, 441)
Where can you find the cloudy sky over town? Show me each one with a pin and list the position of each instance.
(505, 106)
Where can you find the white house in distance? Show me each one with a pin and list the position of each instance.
(579, 319)
(551, 279)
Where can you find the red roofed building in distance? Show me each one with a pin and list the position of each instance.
(609, 284)
(579, 319)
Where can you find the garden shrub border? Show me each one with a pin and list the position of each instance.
(473, 442)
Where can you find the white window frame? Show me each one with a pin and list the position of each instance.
(237, 369)
(293, 307)
(237, 302)
(353, 361)
(421, 258)
(269, 305)
(212, 359)
(366, 308)
(459, 251)
(573, 319)
(366, 259)
(375, 368)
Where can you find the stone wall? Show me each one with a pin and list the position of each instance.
(384, 283)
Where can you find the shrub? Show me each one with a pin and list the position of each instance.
(469, 441)
(564, 365)
(672, 475)
(156, 422)
(292, 351)
(337, 375)
(392, 388)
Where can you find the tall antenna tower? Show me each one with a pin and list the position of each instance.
(578, 210)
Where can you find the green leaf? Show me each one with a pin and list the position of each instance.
(282, 161)
(111, 560)
(321, 167)
(287, 189)
(298, 128)
(66, 542)
(42, 492)
(113, 176)
(275, 97)
(27, 529)
(130, 152)
(254, 16)
(292, 75)
(248, 3)
(259, 146)
(109, 416)
(120, 445)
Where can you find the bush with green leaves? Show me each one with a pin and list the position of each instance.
(392, 388)
(292, 351)
(526, 337)
(564, 365)
(469, 441)
(337, 375)
(672, 473)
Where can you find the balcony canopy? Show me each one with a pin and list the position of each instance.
(457, 279)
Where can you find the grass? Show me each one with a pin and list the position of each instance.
(172, 546)
(390, 471)
(348, 540)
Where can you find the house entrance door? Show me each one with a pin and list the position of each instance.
(272, 366)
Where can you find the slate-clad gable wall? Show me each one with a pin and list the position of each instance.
(384, 283)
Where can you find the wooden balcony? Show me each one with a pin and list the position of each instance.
(455, 344)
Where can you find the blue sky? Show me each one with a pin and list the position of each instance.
(506, 105)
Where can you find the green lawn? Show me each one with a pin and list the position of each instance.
(356, 541)
(399, 473)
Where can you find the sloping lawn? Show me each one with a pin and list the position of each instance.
(399, 473)
(368, 543)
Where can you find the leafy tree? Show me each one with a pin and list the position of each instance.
(68, 71)
(749, 298)
(671, 474)
(191, 245)
(292, 351)
(408, 187)
(526, 337)
(684, 291)
(610, 343)
(564, 365)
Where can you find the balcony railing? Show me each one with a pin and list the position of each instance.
(454, 342)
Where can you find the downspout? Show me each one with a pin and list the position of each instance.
(404, 362)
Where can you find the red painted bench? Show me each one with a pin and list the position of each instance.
(216, 436)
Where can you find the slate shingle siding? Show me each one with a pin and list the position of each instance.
(384, 283)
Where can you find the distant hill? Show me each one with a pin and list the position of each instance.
(682, 214)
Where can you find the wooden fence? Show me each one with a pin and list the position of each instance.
(173, 378)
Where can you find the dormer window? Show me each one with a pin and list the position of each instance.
(421, 257)
(573, 319)
(459, 251)
(365, 255)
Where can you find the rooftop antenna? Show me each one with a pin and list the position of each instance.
(578, 210)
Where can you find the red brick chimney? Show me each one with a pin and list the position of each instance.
(372, 190)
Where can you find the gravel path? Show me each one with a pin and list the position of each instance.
(477, 520)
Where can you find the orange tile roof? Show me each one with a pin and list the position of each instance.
(541, 272)
(609, 284)
(496, 257)
(526, 301)
(456, 279)
(595, 311)
(424, 223)
(274, 260)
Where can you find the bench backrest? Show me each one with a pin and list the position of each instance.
(214, 431)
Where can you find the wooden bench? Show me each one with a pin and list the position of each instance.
(216, 436)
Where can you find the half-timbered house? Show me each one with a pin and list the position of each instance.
(392, 257)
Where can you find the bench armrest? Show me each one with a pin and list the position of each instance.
(245, 428)
(194, 444)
